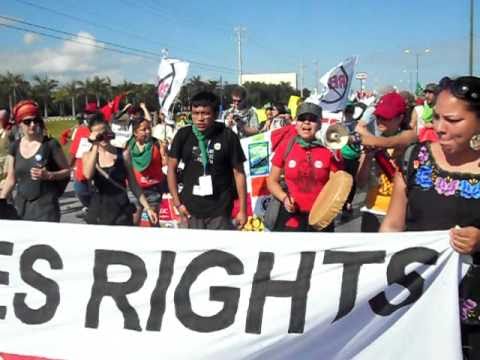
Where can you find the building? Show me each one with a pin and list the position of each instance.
(274, 79)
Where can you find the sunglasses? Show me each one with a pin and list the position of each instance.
(307, 117)
(28, 122)
(465, 87)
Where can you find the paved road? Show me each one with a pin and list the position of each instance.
(71, 209)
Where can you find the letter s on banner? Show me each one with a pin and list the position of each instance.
(396, 275)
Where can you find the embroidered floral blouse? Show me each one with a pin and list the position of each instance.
(439, 200)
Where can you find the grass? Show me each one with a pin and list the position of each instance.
(56, 126)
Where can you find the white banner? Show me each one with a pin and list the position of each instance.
(336, 85)
(97, 292)
(171, 75)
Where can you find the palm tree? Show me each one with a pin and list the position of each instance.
(60, 97)
(85, 88)
(100, 87)
(15, 84)
(125, 87)
(44, 87)
(72, 88)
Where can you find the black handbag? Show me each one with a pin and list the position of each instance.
(271, 213)
(273, 205)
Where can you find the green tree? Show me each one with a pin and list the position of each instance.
(85, 89)
(61, 97)
(72, 88)
(44, 87)
(101, 88)
(15, 86)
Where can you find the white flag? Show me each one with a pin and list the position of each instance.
(336, 85)
(171, 75)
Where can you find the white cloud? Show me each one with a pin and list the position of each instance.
(30, 38)
(81, 58)
(78, 55)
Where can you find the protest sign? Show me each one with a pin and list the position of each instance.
(97, 292)
(336, 85)
(171, 75)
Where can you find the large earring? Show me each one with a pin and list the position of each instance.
(475, 142)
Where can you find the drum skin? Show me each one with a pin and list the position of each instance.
(330, 200)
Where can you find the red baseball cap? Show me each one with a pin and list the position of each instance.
(390, 106)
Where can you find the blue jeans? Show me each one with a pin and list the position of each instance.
(83, 191)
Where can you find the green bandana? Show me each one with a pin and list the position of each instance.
(427, 114)
(307, 144)
(351, 151)
(202, 143)
(140, 159)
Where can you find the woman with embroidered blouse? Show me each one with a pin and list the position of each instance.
(440, 188)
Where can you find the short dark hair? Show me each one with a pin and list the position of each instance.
(239, 91)
(206, 98)
(280, 107)
(95, 119)
(137, 122)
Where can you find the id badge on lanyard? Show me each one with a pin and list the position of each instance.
(205, 184)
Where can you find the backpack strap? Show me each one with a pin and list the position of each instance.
(289, 147)
(406, 167)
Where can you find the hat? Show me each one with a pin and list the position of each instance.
(268, 105)
(432, 87)
(25, 109)
(309, 108)
(390, 106)
(91, 107)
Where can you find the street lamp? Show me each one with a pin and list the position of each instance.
(417, 55)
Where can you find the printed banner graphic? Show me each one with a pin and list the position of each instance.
(336, 85)
(96, 292)
(171, 75)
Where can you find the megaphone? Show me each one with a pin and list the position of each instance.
(336, 137)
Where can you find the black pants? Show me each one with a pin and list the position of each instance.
(371, 222)
(108, 209)
(351, 167)
(471, 341)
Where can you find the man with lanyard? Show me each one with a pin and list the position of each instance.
(213, 159)
(239, 117)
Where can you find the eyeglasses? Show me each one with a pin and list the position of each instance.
(28, 122)
(465, 87)
(307, 117)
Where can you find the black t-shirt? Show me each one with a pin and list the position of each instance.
(224, 153)
(45, 156)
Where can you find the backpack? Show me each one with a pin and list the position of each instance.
(405, 166)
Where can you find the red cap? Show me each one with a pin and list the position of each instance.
(390, 106)
(91, 107)
(25, 109)
(419, 101)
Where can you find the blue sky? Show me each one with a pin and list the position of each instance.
(279, 36)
